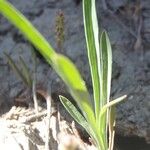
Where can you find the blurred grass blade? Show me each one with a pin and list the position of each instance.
(16, 69)
(13, 15)
(76, 85)
(92, 40)
(26, 72)
(112, 118)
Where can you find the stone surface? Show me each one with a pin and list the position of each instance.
(22, 129)
(131, 69)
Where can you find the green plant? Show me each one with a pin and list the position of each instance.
(97, 113)
(22, 72)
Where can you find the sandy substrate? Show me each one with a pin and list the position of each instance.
(22, 129)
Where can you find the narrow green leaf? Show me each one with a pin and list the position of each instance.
(78, 117)
(15, 68)
(26, 72)
(74, 112)
(100, 60)
(92, 41)
(106, 62)
(110, 104)
(106, 65)
(69, 72)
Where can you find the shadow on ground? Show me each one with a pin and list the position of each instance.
(131, 143)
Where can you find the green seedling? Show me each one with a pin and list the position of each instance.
(22, 72)
(96, 114)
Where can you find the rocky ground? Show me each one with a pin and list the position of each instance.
(23, 129)
(128, 24)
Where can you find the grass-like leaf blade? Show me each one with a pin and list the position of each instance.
(106, 65)
(110, 104)
(16, 69)
(106, 62)
(79, 118)
(92, 40)
(26, 72)
(75, 85)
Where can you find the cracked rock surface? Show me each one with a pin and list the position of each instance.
(128, 24)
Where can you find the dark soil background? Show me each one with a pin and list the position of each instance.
(128, 25)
